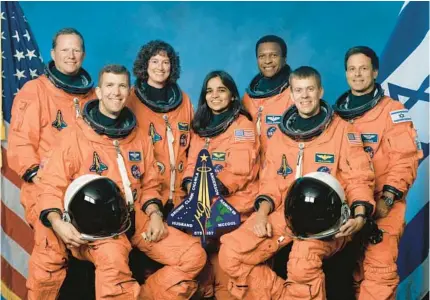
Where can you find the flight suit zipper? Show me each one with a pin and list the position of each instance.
(172, 160)
(124, 177)
(77, 108)
(258, 124)
(299, 165)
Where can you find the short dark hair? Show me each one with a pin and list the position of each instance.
(306, 72)
(66, 31)
(115, 69)
(366, 51)
(204, 113)
(272, 39)
(140, 68)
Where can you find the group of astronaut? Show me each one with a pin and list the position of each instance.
(146, 138)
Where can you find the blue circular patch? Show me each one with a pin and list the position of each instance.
(324, 169)
(369, 150)
(218, 168)
(135, 171)
(270, 131)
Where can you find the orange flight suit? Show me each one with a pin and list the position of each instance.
(236, 164)
(392, 145)
(338, 151)
(155, 125)
(40, 112)
(84, 151)
(267, 113)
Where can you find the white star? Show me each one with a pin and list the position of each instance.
(20, 74)
(2, 16)
(30, 54)
(19, 55)
(2, 74)
(16, 36)
(27, 35)
(2, 56)
(40, 57)
(17, 90)
(33, 73)
(2, 35)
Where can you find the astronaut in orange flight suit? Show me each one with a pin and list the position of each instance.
(164, 113)
(315, 140)
(225, 129)
(43, 108)
(391, 141)
(268, 94)
(107, 143)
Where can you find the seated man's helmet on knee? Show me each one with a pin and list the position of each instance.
(315, 206)
(96, 207)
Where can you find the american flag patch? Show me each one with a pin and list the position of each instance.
(244, 135)
(354, 138)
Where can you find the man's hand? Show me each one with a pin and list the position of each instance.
(66, 232)
(36, 179)
(262, 227)
(156, 229)
(382, 209)
(350, 227)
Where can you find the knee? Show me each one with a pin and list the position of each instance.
(305, 269)
(193, 260)
(228, 260)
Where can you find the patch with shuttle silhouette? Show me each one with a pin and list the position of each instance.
(59, 123)
(155, 137)
(204, 212)
(98, 166)
(285, 169)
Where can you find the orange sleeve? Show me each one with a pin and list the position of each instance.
(24, 132)
(356, 170)
(242, 162)
(270, 184)
(151, 181)
(401, 143)
(58, 173)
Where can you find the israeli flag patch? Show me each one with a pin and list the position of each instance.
(401, 115)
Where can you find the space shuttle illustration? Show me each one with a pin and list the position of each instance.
(204, 212)
(98, 166)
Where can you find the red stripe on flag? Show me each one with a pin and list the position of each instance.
(13, 279)
(16, 228)
(6, 171)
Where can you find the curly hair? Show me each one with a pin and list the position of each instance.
(140, 67)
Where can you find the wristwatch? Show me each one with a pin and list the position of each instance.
(157, 212)
(389, 201)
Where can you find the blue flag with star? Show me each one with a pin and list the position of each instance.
(404, 75)
(21, 59)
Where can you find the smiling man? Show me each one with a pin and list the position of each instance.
(390, 139)
(311, 139)
(268, 94)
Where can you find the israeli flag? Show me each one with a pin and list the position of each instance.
(404, 74)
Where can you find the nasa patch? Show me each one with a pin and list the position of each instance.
(369, 150)
(270, 131)
(324, 169)
(183, 140)
(135, 171)
(218, 168)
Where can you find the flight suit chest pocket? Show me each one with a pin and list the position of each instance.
(239, 162)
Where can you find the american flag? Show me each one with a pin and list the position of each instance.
(244, 135)
(354, 138)
(21, 61)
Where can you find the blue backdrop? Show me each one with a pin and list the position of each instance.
(219, 35)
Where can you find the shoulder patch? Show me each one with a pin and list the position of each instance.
(400, 116)
(354, 138)
(244, 135)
